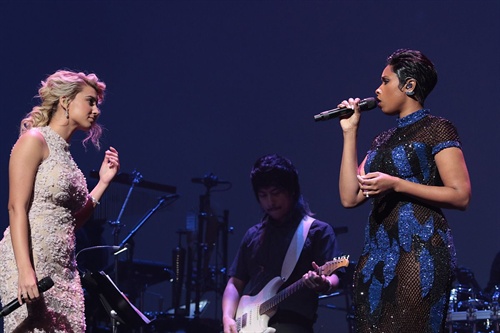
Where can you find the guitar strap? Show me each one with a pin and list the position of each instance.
(295, 247)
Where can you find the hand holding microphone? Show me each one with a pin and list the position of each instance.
(43, 285)
(364, 105)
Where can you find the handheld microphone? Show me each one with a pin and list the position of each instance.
(364, 105)
(43, 285)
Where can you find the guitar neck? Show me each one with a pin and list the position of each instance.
(271, 303)
(327, 269)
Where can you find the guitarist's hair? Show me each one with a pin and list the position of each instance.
(275, 170)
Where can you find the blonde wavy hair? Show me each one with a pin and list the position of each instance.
(63, 83)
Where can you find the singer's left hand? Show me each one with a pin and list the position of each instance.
(110, 166)
(375, 183)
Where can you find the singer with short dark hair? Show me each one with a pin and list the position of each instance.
(409, 174)
(48, 200)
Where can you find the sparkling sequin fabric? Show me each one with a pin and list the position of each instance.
(406, 268)
(59, 191)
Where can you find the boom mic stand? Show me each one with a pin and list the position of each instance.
(117, 224)
(125, 242)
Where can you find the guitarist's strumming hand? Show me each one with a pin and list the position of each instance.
(229, 325)
(230, 300)
(319, 282)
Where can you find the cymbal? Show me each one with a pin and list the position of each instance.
(127, 179)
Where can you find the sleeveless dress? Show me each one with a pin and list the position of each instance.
(404, 274)
(60, 190)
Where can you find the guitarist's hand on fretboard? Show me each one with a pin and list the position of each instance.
(317, 281)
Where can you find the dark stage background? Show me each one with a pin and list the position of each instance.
(209, 86)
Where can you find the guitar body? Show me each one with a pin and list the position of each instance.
(248, 318)
(253, 313)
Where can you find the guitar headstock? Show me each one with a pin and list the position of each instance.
(331, 266)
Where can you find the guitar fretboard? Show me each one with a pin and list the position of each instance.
(326, 269)
(279, 297)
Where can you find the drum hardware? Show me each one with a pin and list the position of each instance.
(211, 233)
(471, 320)
(471, 312)
(179, 264)
(495, 310)
(466, 280)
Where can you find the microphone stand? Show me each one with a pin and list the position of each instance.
(117, 224)
(124, 244)
(161, 201)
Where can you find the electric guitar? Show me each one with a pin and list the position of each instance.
(254, 312)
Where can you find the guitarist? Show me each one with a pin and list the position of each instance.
(263, 248)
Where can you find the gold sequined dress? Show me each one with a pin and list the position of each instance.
(404, 274)
(60, 190)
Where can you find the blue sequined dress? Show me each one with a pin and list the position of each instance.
(405, 272)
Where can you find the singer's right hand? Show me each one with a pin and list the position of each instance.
(350, 122)
(27, 286)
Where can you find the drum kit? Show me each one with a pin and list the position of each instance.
(470, 309)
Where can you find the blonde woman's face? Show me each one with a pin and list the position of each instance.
(83, 110)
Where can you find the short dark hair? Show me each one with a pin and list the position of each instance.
(275, 170)
(413, 64)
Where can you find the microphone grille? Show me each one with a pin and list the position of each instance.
(45, 284)
(368, 104)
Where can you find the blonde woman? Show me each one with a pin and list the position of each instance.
(48, 200)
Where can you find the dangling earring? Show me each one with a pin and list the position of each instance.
(66, 112)
(410, 93)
